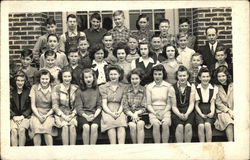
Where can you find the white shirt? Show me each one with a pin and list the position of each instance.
(101, 73)
(214, 46)
(145, 62)
(185, 56)
(205, 93)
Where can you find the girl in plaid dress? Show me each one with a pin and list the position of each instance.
(134, 103)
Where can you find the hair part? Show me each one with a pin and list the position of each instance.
(65, 69)
(44, 72)
(158, 67)
(164, 52)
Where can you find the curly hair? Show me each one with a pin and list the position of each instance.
(65, 69)
(117, 68)
(223, 69)
(182, 69)
(20, 73)
(202, 70)
(44, 72)
(96, 48)
(137, 71)
(164, 52)
(121, 46)
(82, 83)
(158, 67)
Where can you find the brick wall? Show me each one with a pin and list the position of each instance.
(25, 28)
(220, 18)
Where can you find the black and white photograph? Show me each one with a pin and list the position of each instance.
(124, 80)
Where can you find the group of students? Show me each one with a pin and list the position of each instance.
(114, 79)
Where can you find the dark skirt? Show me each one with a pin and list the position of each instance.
(205, 109)
(81, 121)
(176, 120)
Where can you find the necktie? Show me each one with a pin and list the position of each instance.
(212, 50)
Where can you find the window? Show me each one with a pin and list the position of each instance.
(84, 19)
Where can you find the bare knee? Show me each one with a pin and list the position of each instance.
(140, 125)
(21, 131)
(85, 127)
(94, 127)
(165, 125)
(156, 125)
(201, 126)
(188, 127)
(132, 125)
(207, 125)
(13, 132)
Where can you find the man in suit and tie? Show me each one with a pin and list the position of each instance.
(209, 49)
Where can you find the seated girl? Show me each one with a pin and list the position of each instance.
(134, 104)
(159, 101)
(88, 106)
(183, 115)
(20, 110)
(42, 121)
(63, 103)
(113, 119)
(224, 102)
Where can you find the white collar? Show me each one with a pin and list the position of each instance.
(163, 83)
(149, 59)
(73, 32)
(46, 90)
(188, 84)
(217, 64)
(209, 86)
(103, 62)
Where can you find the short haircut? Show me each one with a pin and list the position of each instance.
(53, 35)
(164, 21)
(196, 54)
(184, 20)
(95, 15)
(158, 67)
(44, 72)
(182, 69)
(150, 53)
(71, 16)
(50, 21)
(223, 69)
(65, 69)
(155, 36)
(118, 13)
(121, 45)
(73, 49)
(202, 70)
(224, 49)
(27, 53)
(164, 52)
(21, 73)
(96, 48)
(137, 71)
(82, 83)
(107, 34)
(180, 35)
(140, 17)
(82, 38)
(211, 27)
(117, 68)
(50, 53)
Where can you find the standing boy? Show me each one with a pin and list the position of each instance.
(156, 47)
(70, 38)
(41, 43)
(120, 33)
(164, 35)
(185, 53)
(107, 41)
(95, 33)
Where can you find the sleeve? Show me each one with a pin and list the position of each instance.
(65, 60)
(79, 103)
(27, 104)
(42, 61)
(37, 46)
(148, 95)
(144, 102)
(125, 102)
(56, 100)
(215, 92)
(62, 39)
(12, 113)
(32, 91)
(171, 92)
(133, 66)
(99, 100)
(103, 91)
(197, 97)
(220, 105)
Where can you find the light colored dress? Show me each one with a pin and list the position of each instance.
(43, 102)
(63, 101)
(224, 102)
(114, 98)
(171, 69)
(126, 66)
(158, 96)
